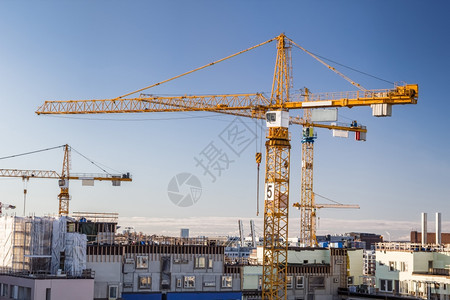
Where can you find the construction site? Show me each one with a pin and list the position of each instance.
(87, 246)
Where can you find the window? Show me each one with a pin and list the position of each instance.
(145, 282)
(13, 291)
(210, 263)
(300, 282)
(179, 283)
(189, 282)
(227, 281)
(24, 293)
(289, 282)
(403, 266)
(382, 285)
(270, 117)
(142, 262)
(112, 292)
(3, 290)
(404, 287)
(200, 262)
(385, 285)
(389, 285)
(392, 266)
(48, 294)
(62, 259)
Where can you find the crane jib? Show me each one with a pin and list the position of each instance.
(407, 94)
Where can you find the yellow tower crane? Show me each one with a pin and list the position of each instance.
(276, 111)
(307, 205)
(63, 179)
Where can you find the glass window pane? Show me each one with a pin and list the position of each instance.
(200, 262)
(289, 282)
(141, 262)
(227, 281)
(145, 282)
(189, 281)
(382, 284)
(300, 282)
(113, 292)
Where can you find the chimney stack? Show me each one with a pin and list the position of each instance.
(438, 228)
(424, 228)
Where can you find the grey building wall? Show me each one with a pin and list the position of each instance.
(168, 268)
(108, 272)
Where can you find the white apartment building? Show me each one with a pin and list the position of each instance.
(413, 269)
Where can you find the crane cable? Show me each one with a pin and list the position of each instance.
(52, 148)
(317, 57)
(327, 199)
(258, 157)
(25, 190)
(329, 67)
(197, 69)
(95, 163)
(353, 69)
(32, 152)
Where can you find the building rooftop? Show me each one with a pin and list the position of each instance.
(412, 247)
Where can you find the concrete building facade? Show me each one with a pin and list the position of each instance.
(160, 269)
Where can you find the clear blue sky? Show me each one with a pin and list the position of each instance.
(61, 50)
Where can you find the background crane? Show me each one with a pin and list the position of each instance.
(307, 205)
(63, 179)
(312, 213)
(276, 111)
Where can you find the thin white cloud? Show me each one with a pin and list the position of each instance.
(223, 226)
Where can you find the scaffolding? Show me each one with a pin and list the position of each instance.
(40, 245)
(25, 244)
(68, 249)
(96, 217)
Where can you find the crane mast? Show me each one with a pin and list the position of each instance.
(64, 196)
(307, 205)
(307, 218)
(276, 204)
